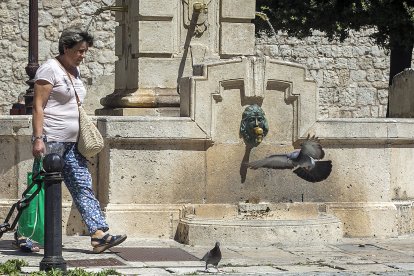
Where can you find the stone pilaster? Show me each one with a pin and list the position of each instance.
(158, 43)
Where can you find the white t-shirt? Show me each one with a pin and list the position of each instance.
(61, 115)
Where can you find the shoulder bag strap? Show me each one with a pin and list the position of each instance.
(70, 78)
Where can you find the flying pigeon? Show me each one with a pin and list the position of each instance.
(302, 160)
(213, 256)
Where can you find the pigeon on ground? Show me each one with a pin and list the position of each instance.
(213, 256)
(304, 160)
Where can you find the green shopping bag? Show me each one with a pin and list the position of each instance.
(32, 220)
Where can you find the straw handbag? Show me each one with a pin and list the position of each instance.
(90, 141)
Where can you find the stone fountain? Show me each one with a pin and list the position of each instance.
(174, 167)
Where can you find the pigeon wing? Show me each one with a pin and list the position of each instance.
(320, 172)
(215, 256)
(272, 162)
(206, 256)
(312, 148)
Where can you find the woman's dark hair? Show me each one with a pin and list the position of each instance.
(72, 36)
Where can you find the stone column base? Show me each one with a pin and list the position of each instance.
(142, 97)
(143, 111)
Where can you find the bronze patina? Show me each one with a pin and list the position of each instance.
(254, 126)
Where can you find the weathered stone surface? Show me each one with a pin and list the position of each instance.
(103, 86)
(156, 37)
(153, 168)
(356, 63)
(14, 35)
(401, 175)
(162, 8)
(401, 98)
(233, 9)
(162, 175)
(8, 169)
(253, 233)
(365, 219)
(355, 54)
(231, 32)
(145, 221)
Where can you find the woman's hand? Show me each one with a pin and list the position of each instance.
(38, 149)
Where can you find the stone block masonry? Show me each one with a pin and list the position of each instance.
(54, 16)
(352, 77)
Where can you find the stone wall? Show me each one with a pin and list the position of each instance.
(54, 16)
(352, 77)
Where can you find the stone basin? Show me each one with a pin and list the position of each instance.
(261, 224)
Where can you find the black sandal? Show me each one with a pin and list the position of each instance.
(104, 243)
(25, 244)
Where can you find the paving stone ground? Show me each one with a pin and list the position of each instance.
(391, 256)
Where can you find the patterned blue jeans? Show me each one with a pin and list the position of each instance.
(78, 180)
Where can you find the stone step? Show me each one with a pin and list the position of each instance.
(323, 229)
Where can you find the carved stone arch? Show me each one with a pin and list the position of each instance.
(299, 91)
(251, 80)
(289, 99)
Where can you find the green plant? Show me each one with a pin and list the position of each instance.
(78, 272)
(55, 272)
(39, 273)
(107, 272)
(12, 267)
(82, 272)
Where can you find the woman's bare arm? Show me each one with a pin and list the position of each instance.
(42, 90)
